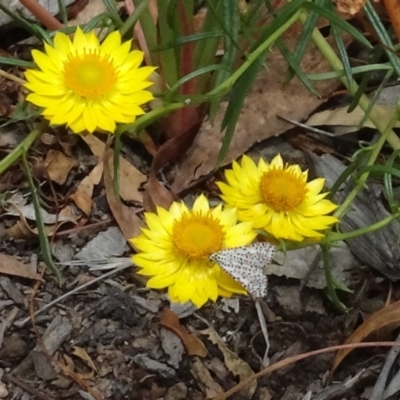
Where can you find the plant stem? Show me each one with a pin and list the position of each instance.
(336, 237)
(251, 57)
(363, 178)
(10, 159)
(336, 64)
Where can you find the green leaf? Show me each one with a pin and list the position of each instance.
(334, 19)
(231, 28)
(236, 100)
(383, 36)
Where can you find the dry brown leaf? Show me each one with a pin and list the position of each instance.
(203, 377)
(193, 345)
(20, 230)
(351, 7)
(81, 353)
(157, 194)
(58, 166)
(11, 266)
(269, 97)
(235, 364)
(387, 316)
(127, 220)
(83, 194)
(130, 178)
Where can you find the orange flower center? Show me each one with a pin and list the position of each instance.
(89, 75)
(197, 235)
(282, 189)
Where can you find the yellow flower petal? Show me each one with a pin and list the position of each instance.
(277, 198)
(104, 82)
(175, 246)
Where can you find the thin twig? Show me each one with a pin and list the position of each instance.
(42, 14)
(68, 294)
(28, 388)
(299, 357)
(379, 388)
(263, 325)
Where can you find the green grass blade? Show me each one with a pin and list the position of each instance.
(334, 19)
(383, 36)
(16, 62)
(113, 11)
(188, 77)
(128, 25)
(238, 94)
(44, 242)
(231, 28)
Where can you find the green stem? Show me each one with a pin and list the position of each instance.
(251, 57)
(336, 64)
(11, 158)
(44, 242)
(149, 117)
(363, 178)
(336, 237)
(330, 280)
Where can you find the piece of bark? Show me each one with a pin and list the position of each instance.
(379, 249)
(58, 330)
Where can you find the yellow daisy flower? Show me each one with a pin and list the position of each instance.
(276, 197)
(175, 246)
(87, 85)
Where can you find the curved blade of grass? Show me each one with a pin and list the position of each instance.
(99, 21)
(305, 37)
(17, 62)
(295, 66)
(189, 38)
(380, 170)
(113, 11)
(362, 88)
(168, 59)
(133, 18)
(337, 36)
(188, 77)
(62, 11)
(238, 94)
(44, 242)
(352, 167)
(294, 59)
(149, 30)
(375, 98)
(29, 26)
(205, 50)
(287, 17)
(334, 19)
(355, 70)
(388, 182)
(383, 36)
(281, 16)
(231, 28)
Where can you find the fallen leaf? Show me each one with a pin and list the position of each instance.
(270, 96)
(11, 266)
(83, 193)
(172, 346)
(194, 346)
(387, 316)
(81, 353)
(204, 379)
(130, 178)
(234, 363)
(58, 166)
(127, 220)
